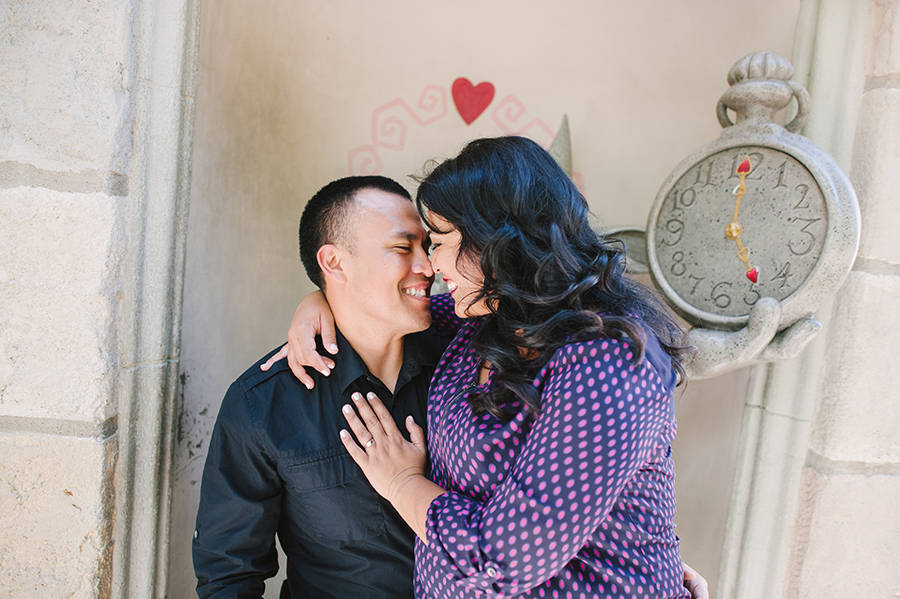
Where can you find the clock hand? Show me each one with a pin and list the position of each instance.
(733, 229)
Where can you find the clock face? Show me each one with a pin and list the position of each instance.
(783, 220)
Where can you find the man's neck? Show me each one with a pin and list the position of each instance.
(381, 353)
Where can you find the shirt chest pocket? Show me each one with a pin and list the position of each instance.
(332, 499)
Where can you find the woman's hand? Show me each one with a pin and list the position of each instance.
(387, 459)
(312, 317)
(394, 466)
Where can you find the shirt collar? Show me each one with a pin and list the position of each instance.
(349, 366)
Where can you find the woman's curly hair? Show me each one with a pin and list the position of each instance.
(549, 278)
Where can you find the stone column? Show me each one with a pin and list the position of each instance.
(95, 114)
(65, 118)
(847, 538)
(816, 503)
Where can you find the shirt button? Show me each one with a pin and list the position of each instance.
(196, 533)
(492, 572)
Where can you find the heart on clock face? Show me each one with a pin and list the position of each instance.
(753, 275)
(471, 100)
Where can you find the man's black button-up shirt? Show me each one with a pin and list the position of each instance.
(276, 464)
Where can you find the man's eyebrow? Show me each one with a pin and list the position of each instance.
(408, 236)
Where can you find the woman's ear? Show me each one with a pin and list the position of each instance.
(330, 259)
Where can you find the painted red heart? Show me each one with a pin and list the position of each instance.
(753, 275)
(471, 100)
(744, 167)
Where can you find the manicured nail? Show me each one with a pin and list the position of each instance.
(333, 347)
(330, 366)
(357, 396)
(344, 434)
(308, 386)
(347, 409)
(371, 396)
(325, 372)
(410, 419)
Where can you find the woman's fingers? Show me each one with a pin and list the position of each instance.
(372, 421)
(295, 366)
(416, 434)
(359, 428)
(282, 354)
(384, 417)
(359, 456)
(329, 338)
(302, 348)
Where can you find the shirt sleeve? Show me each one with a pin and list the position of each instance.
(443, 315)
(240, 496)
(602, 417)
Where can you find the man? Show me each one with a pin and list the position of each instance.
(276, 463)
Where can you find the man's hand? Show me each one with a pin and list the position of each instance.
(695, 583)
(313, 317)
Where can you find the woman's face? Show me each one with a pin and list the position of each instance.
(464, 285)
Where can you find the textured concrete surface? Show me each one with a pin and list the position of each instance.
(60, 261)
(853, 543)
(55, 515)
(875, 174)
(66, 74)
(859, 415)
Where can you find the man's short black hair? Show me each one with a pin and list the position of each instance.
(327, 214)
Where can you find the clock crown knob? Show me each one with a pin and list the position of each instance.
(761, 85)
(760, 65)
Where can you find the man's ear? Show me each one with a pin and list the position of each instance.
(331, 261)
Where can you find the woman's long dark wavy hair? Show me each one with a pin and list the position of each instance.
(549, 278)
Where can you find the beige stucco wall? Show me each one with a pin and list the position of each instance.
(287, 90)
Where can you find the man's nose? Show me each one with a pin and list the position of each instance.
(422, 264)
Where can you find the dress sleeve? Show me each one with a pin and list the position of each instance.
(443, 315)
(240, 499)
(602, 417)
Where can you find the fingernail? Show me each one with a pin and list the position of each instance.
(347, 409)
(356, 397)
(330, 366)
(410, 419)
(325, 372)
(344, 434)
(333, 347)
(308, 386)
(371, 395)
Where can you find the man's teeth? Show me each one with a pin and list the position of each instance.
(451, 286)
(415, 292)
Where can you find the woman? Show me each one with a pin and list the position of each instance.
(551, 412)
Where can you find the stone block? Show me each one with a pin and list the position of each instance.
(859, 416)
(875, 173)
(55, 516)
(68, 67)
(853, 544)
(884, 41)
(60, 278)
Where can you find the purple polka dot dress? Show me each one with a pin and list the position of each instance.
(578, 502)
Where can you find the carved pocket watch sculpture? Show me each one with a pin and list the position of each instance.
(761, 212)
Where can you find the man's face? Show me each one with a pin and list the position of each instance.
(389, 275)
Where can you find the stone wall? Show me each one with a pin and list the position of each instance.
(65, 118)
(95, 123)
(848, 537)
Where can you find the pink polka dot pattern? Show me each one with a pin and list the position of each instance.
(578, 502)
(443, 315)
